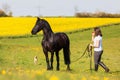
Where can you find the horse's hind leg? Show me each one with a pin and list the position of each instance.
(57, 58)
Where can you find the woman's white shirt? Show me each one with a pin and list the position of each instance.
(96, 39)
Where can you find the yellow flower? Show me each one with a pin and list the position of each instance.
(39, 72)
(54, 77)
(94, 77)
(83, 78)
(3, 72)
(105, 78)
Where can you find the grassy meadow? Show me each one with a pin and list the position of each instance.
(17, 53)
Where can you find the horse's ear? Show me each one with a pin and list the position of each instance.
(38, 18)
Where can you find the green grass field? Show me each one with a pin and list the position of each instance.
(16, 58)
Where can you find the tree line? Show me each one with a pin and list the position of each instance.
(97, 15)
(78, 14)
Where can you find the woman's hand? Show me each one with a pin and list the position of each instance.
(91, 45)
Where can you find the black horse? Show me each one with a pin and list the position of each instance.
(53, 42)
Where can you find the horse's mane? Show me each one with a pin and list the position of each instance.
(47, 25)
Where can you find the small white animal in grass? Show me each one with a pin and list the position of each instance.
(35, 60)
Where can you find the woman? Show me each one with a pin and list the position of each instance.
(98, 50)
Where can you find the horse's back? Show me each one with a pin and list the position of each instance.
(61, 38)
(61, 35)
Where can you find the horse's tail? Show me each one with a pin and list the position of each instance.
(66, 52)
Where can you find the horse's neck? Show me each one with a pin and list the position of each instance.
(48, 33)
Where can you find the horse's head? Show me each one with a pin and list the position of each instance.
(38, 26)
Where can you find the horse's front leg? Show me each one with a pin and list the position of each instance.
(52, 55)
(57, 58)
(47, 59)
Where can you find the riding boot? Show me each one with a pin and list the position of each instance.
(96, 67)
(104, 66)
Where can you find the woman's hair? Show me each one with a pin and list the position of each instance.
(97, 31)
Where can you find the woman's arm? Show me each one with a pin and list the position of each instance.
(93, 36)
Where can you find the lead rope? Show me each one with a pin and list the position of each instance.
(89, 50)
(90, 57)
(86, 49)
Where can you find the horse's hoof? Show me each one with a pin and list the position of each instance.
(68, 69)
(48, 68)
(51, 68)
(57, 69)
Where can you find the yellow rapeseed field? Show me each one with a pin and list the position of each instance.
(15, 26)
